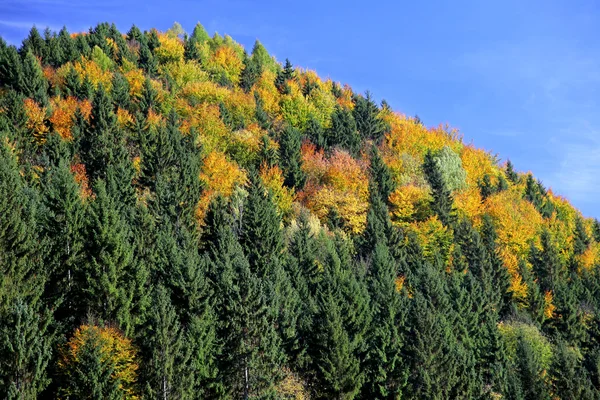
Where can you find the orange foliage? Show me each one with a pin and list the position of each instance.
(115, 349)
(35, 121)
(63, 114)
(468, 203)
(78, 170)
(339, 183)
(136, 79)
(549, 307)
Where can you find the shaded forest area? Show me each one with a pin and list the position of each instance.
(182, 219)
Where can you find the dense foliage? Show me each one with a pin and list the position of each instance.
(181, 219)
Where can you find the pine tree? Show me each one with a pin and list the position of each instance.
(35, 44)
(190, 46)
(200, 34)
(581, 240)
(286, 74)
(530, 372)
(315, 133)
(441, 203)
(291, 158)
(67, 46)
(251, 72)
(546, 263)
(120, 91)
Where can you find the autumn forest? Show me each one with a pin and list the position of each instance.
(183, 218)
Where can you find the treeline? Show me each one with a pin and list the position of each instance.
(168, 230)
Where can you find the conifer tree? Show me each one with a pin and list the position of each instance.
(291, 158)
(510, 172)
(343, 132)
(441, 203)
(386, 370)
(166, 369)
(109, 262)
(33, 83)
(381, 174)
(25, 350)
(34, 43)
(366, 115)
(581, 238)
(63, 228)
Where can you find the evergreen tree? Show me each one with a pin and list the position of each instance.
(63, 228)
(33, 83)
(315, 133)
(286, 74)
(109, 262)
(251, 72)
(25, 350)
(530, 372)
(343, 131)
(120, 91)
(366, 115)
(510, 172)
(35, 44)
(166, 369)
(67, 46)
(581, 240)
(291, 158)
(386, 370)
(381, 174)
(546, 263)
(441, 203)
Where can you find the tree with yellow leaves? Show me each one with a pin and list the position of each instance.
(98, 362)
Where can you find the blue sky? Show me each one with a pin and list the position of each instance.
(519, 78)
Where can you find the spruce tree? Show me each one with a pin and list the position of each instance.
(441, 202)
(381, 174)
(386, 369)
(343, 132)
(25, 350)
(366, 115)
(63, 229)
(166, 368)
(510, 172)
(33, 83)
(291, 158)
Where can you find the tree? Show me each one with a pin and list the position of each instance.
(33, 83)
(63, 229)
(386, 370)
(25, 350)
(381, 174)
(366, 115)
(343, 131)
(166, 369)
(510, 172)
(441, 202)
(291, 158)
(109, 269)
(98, 363)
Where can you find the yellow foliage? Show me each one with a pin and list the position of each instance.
(124, 118)
(136, 79)
(477, 163)
(338, 183)
(272, 178)
(408, 202)
(435, 238)
(221, 177)
(89, 69)
(213, 133)
(549, 307)
(468, 203)
(36, 121)
(226, 60)
(295, 109)
(204, 92)
(183, 72)
(115, 349)
(399, 283)
(170, 49)
(291, 386)
(265, 87)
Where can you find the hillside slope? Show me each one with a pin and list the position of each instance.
(182, 219)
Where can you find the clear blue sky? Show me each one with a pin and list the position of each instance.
(519, 78)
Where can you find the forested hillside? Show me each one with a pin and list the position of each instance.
(181, 218)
